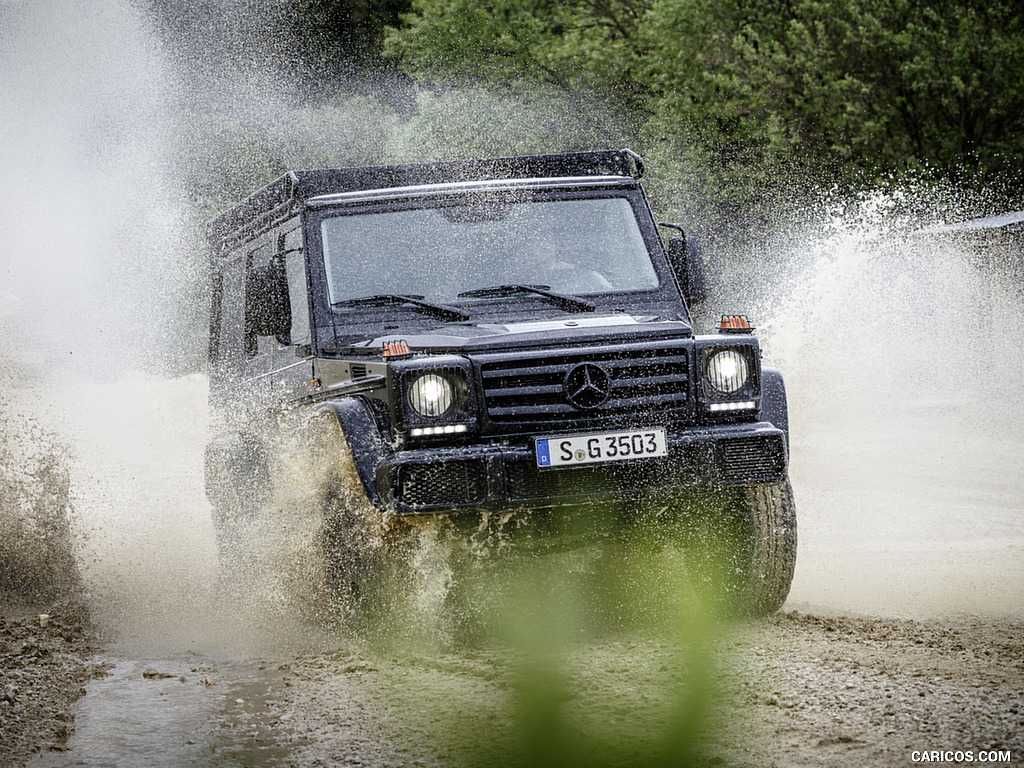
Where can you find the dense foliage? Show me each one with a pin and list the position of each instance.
(837, 93)
(852, 88)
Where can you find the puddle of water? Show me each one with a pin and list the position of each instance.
(173, 713)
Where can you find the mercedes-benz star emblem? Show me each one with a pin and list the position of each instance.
(587, 385)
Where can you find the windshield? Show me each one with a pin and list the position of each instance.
(583, 246)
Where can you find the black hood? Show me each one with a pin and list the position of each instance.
(455, 338)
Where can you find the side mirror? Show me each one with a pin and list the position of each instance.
(686, 255)
(267, 309)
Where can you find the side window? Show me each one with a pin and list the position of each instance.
(256, 261)
(228, 315)
(298, 293)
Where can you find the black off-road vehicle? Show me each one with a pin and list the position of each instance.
(483, 339)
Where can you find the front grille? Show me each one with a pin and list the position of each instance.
(430, 485)
(752, 458)
(525, 481)
(528, 390)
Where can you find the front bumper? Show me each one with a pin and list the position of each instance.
(505, 477)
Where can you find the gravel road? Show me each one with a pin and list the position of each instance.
(846, 675)
(793, 690)
(43, 671)
(841, 691)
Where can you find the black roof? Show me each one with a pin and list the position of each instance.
(282, 197)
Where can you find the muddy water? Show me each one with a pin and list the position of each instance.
(196, 660)
(145, 538)
(178, 711)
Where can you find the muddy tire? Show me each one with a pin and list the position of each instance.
(384, 576)
(237, 486)
(771, 516)
(352, 537)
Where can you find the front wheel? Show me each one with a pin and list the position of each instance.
(770, 514)
(352, 535)
(739, 544)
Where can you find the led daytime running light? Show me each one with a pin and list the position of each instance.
(447, 429)
(744, 405)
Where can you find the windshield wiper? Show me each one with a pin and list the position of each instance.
(566, 302)
(440, 311)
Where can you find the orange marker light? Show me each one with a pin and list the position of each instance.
(735, 324)
(395, 349)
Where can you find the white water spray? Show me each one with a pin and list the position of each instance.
(902, 357)
(98, 277)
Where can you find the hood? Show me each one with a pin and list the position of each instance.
(468, 337)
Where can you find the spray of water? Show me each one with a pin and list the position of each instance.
(899, 351)
(99, 314)
(902, 355)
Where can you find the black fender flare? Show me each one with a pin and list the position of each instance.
(774, 406)
(364, 439)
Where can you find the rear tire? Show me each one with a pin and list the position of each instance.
(237, 487)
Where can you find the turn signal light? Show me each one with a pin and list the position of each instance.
(734, 324)
(395, 349)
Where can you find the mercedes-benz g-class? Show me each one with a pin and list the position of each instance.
(490, 336)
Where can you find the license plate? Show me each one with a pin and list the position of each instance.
(571, 450)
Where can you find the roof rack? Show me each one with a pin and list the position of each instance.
(1009, 222)
(282, 198)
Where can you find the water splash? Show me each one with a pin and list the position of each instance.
(899, 352)
(99, 314)
(901, 356)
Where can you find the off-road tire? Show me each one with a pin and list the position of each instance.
(352, 537)
(739, 544)
(237, 486)
(771, 515)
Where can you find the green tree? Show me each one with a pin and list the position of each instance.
(849, 88)
(586, 50)
(884, 84)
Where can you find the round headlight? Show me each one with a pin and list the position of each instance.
(726, 372)
(430, 395)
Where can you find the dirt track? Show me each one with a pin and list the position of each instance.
(794, 690)
(816, 691)
(42, 672)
